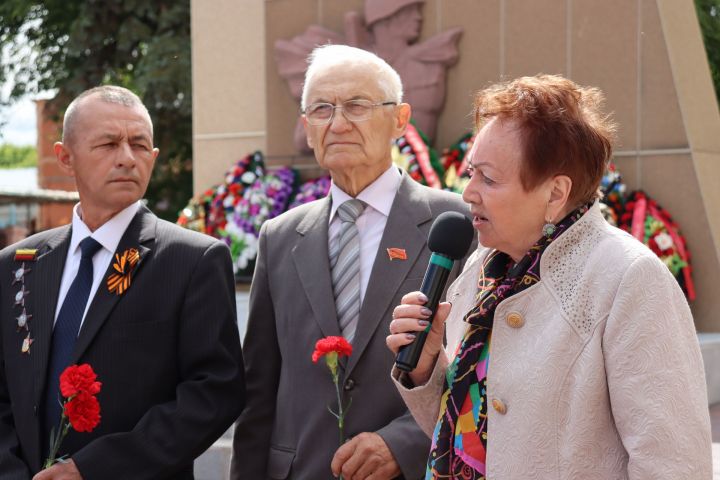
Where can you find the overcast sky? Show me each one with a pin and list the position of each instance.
(20, 128)
(19, 119)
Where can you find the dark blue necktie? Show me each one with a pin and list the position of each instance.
(66, 330)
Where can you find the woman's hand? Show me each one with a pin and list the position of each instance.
(409, 317)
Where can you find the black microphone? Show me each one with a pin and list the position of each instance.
(450, 237)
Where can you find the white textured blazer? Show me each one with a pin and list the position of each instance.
(595, 372)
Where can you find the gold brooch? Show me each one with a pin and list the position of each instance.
(124, 264)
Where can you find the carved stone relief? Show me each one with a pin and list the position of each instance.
(390, 29)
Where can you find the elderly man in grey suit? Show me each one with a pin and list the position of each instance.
(326, 268)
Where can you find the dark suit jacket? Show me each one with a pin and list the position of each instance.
(167, 353)
(286, 430)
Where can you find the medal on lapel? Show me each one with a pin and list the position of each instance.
(119, 281)
(396, 254)
(26, 344)
(25, 254)
(22, 321)
(20, 296)
(18, 276)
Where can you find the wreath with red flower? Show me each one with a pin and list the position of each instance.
(455, 161)
(412, 153)
(651, 224)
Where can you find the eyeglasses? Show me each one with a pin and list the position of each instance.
(354, 110)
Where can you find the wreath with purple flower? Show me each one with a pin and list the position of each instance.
(266, 198)
(310, 191)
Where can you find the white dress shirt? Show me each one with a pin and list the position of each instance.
(379, 197)
(108, 235)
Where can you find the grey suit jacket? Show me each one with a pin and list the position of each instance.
(286, 430)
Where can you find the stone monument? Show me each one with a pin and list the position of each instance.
(646, 55)
(389, 28)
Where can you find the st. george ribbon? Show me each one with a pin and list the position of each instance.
(450, 237)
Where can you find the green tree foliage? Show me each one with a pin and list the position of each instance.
(709, 16)
(68, 46)
(12, 156)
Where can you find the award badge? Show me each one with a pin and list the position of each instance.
(23, 255)
(397, 254)
(124, 265)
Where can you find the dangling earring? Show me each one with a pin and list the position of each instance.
(548, 229)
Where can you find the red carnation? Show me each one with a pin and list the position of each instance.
(79, 378)
(331, 344)
(333, 348)
(83, 412)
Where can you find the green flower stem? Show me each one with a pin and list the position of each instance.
(341, 414)
(57, 440)
(331, 359)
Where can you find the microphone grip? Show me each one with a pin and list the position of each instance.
(433, 284)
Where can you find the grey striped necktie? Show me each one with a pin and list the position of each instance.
(345, 268)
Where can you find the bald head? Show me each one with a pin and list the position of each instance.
(104, 93)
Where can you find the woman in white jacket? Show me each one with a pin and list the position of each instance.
(571, 351)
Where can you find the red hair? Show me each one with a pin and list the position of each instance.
(562, 129)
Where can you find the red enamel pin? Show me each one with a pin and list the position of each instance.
(397, 254)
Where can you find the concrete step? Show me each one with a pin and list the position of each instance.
(214, 464)
(710, 348)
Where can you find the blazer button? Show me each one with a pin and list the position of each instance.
(499, 406)
(515, 320)
(349, 384)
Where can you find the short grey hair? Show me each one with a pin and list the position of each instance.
(332, 56)
(106, 93)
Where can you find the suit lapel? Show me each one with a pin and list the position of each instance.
(410, 210)
(44, 290)
(140, 234)
(310, 255)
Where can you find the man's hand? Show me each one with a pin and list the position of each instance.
(60, 471)
(366, 456)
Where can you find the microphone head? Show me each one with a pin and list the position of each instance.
(451, 235)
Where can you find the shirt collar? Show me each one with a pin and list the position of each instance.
(109, 233)
(379, 195)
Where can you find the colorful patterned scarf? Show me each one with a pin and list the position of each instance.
(460, 437)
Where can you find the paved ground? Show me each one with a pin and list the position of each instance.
(715, 422)
(242, 299)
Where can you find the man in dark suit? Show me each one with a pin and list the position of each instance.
(304, 287)
(150, 306)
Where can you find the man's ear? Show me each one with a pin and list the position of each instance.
(64, 158)
(307, 128)
(403, 112)
(560, 188)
